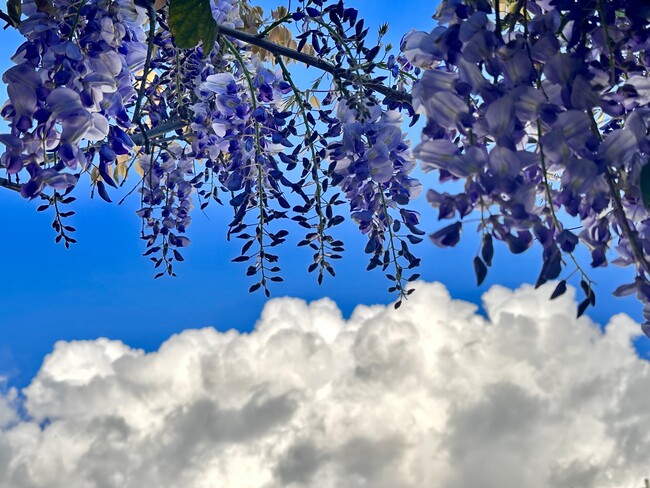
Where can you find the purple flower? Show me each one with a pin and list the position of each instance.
(67, 108)
(22, 84)
(42, 177)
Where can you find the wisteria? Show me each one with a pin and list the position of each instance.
(538, 107)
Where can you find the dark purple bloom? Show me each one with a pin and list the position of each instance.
(447, 236)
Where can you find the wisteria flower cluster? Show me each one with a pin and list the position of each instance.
(541, 108)
(113, 89)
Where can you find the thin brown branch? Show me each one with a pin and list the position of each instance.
(313, 61)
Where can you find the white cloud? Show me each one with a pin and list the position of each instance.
(431, 395)
(8, 412)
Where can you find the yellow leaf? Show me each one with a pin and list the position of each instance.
(151, 77)
(121, 168)
(251, 16)
(138, 169)
(307, 49)
(314, 102)
(279, 13)
(280, 35)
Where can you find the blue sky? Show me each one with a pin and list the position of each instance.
(104, 287)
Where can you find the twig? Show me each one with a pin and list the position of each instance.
(164, 128)
(145, 74)
(608, 41)
(497, 17)
(549, 198)
(7, 19)
(5, 183)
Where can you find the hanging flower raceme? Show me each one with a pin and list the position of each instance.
(372, 166)
(65, 86)
(166, 204)
(539, 106)
(99, 86)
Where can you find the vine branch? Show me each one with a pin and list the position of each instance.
(145, 75)
(143, 136)
(161, 129)
(312, 61)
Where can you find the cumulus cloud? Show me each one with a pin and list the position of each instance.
(8, 412)
(431, 395)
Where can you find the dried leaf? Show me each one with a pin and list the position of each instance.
(279, 13)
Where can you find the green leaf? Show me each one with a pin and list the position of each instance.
(14, 11)
(645, 185)
(191, 22)
(45, 6)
